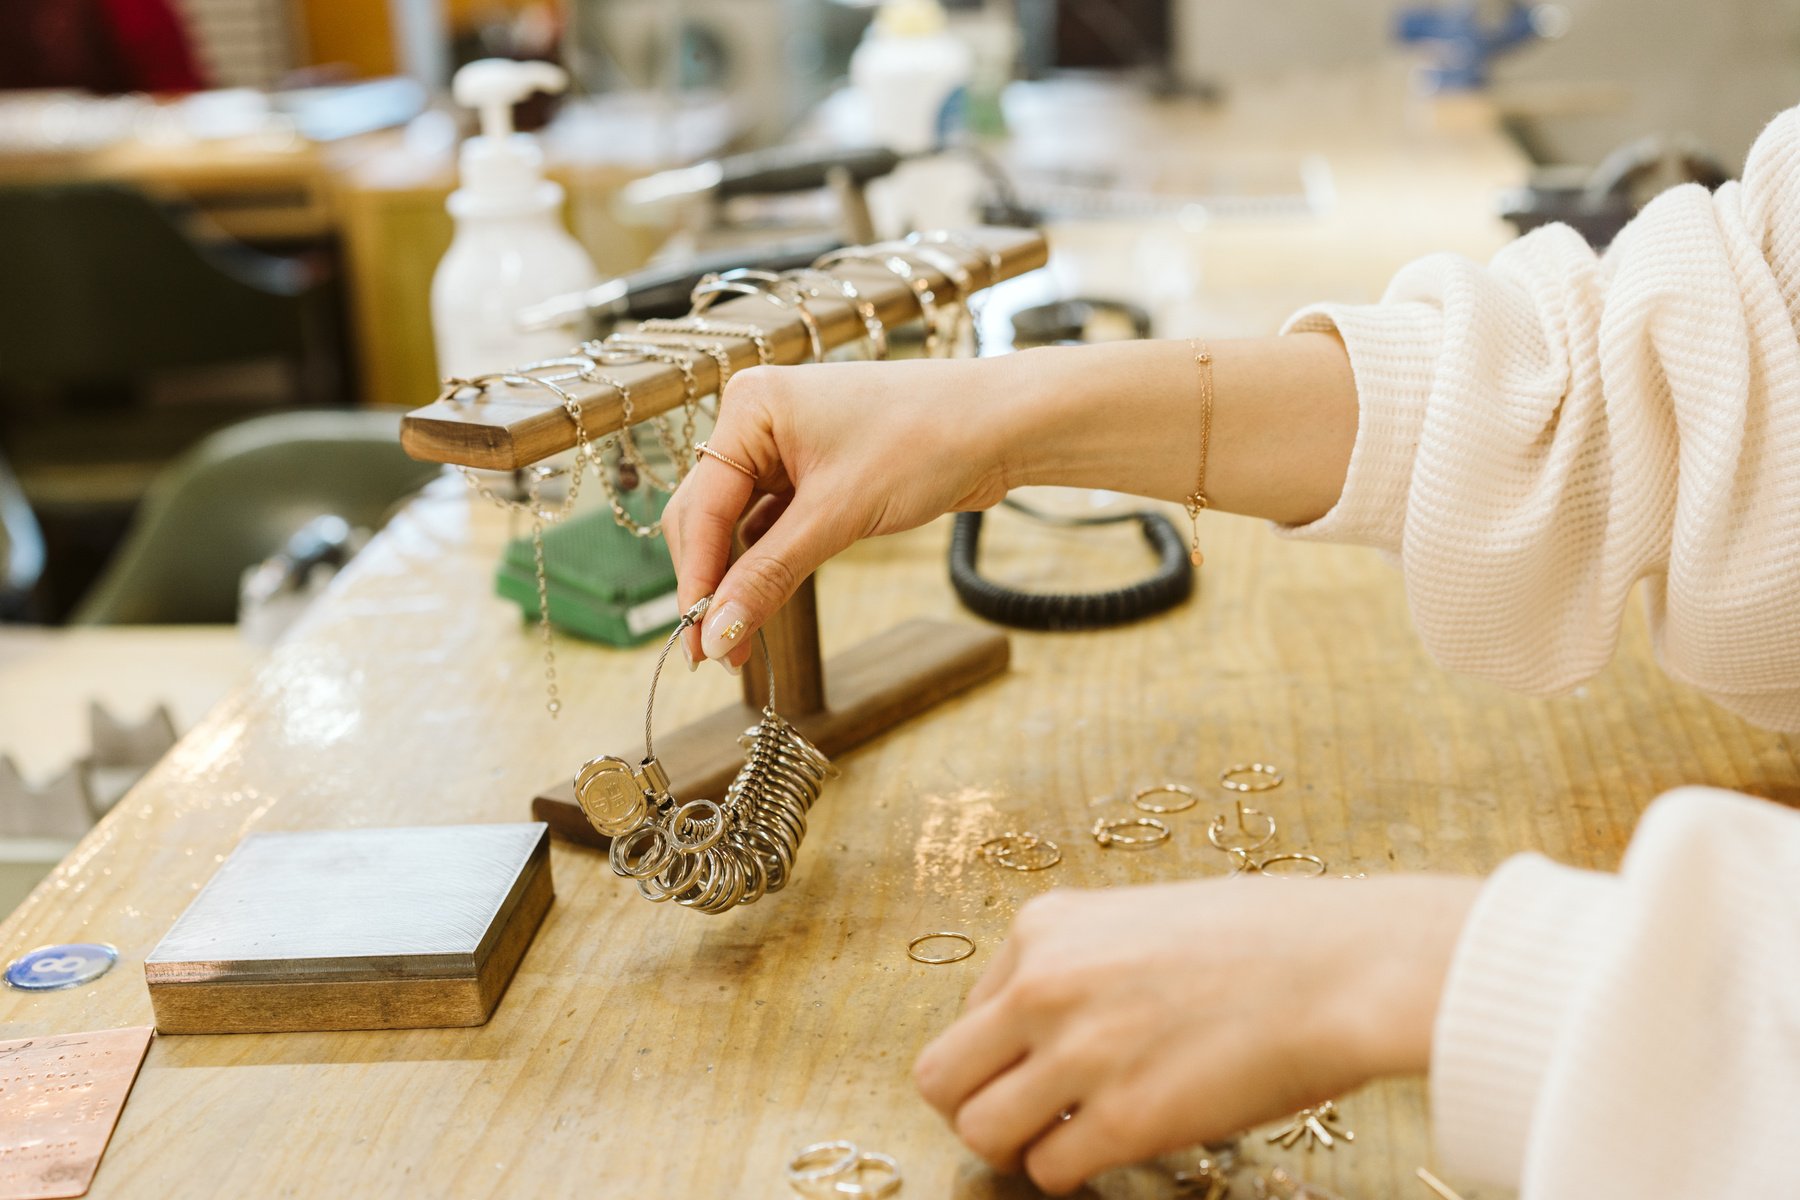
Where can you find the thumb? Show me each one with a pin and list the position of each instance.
(767, 575)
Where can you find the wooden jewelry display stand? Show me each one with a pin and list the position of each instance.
(857, 694)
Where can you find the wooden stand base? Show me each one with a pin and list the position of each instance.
(873, 687)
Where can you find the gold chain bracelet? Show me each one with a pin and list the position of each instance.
(1197, 502)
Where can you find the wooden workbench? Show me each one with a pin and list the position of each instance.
(645, 1050)
(649, 1051)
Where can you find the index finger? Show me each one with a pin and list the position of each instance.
(712, 499)
(958, 1062)
(995, 977)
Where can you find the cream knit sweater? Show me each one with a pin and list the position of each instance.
(1535, 438)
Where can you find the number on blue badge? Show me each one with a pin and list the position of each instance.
(66, 964)
(50, 968)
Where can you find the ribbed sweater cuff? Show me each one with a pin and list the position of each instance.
(1532, 936)
(1393, 353)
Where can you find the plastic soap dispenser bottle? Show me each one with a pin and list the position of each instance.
(913, 74)
(510, 249)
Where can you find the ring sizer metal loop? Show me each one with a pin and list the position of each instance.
(696, 826)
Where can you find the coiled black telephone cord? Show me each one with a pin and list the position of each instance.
(1172, 582)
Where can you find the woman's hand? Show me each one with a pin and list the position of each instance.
(1169, 1015)
(841, 451)
(848, 450)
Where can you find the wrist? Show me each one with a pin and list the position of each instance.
(1398, 972)
(1077, 416)
(1127, 416)
(1025, 404)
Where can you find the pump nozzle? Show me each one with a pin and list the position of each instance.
(910, 18)
(503, 171)
(493, 85)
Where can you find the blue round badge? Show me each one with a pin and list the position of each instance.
(51, 967)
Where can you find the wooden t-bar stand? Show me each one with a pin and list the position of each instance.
(858, 693)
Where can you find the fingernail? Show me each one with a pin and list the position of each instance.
(687, 652)
(724, 629)
(732, 667)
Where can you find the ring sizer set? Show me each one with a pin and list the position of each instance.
(707, 855)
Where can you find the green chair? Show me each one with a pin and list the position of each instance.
(235, 499)
(103, 285)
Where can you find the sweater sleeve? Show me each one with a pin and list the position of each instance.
(1638, 1034)
(1539, 434)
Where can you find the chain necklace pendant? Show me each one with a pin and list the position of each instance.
(553, 698)
(1195, 504)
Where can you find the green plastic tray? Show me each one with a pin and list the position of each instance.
(604, 584)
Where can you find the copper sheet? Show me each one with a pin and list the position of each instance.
(60, 1097)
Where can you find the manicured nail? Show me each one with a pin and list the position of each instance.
(732, 667)
(724, 629)
(687, 652)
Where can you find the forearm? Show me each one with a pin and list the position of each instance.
(1126, 416)
(841, 451)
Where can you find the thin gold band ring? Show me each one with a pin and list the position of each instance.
(1007, 849)
(819, 1166)
(912, 948)
(1140, 798)
(1310, 866)
(701, 448)
(1250, 777)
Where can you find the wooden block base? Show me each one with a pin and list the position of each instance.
(870, 688)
